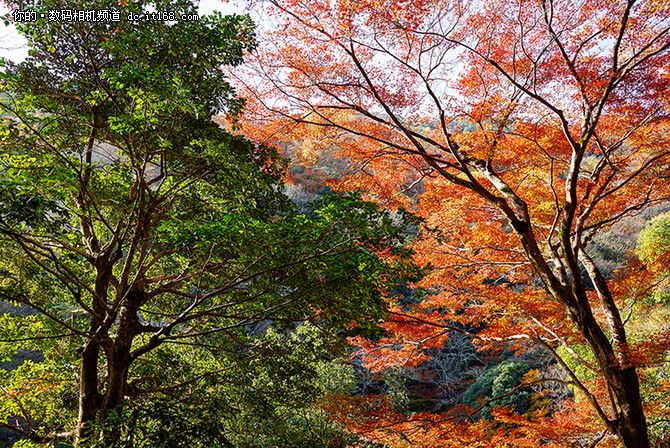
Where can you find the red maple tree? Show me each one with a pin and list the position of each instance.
(523, 129)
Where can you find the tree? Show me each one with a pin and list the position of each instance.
(154, 248)
(531, 127)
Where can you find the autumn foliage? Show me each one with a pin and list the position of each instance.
(520, 130)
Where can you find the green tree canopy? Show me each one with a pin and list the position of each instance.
(153, 246)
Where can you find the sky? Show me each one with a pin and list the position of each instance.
(12, 45)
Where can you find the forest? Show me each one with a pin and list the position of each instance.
(336, 223)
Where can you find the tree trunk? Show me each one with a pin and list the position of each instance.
(632, 425)
(89, 397)
(119, 361)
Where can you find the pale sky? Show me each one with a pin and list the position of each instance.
(13, 46)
